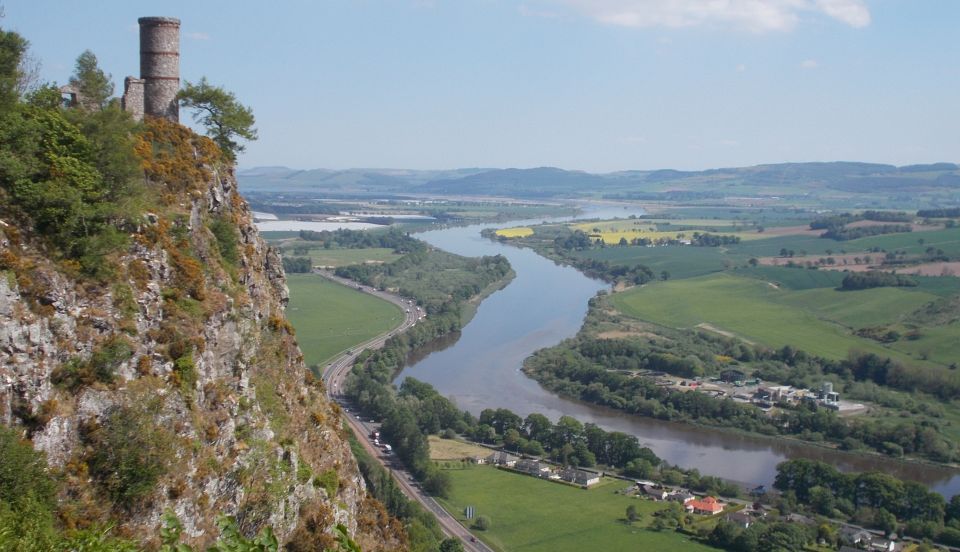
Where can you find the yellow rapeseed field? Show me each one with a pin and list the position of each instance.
(518, 232)
(612, 231)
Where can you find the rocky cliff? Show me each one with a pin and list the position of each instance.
(175, 383)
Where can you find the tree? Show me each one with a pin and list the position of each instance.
(438, 483)
(12, 50)
(92, 85)
(451, 545)
(664, 275)
(23, 472)
(225, 119)
(482, 523)
(632, 514)
(511, 438)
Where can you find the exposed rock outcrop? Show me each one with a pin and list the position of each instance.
(187, 350)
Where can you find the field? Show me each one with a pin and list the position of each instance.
(451, 449)
(613, 230)
(679, 261)
(816, 319)
(518, 232)
(532, 515)
(346, 257)
(330, 318)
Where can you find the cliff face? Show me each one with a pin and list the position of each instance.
(177, 384)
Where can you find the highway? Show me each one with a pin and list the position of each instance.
(335, 374)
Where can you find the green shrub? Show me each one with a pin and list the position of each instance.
(23, 471)
(226, 234)
(100, 367)
(130, 453)
(330, 481)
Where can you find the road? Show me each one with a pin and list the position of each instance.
(335, 374)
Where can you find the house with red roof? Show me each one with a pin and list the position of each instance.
(706, 507)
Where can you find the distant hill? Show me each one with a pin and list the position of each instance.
(539, 182)
(349, 181)
(780, 180)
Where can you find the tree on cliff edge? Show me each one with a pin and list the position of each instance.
(93, 86)
(225, 119)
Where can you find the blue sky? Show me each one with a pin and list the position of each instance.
(598, 85)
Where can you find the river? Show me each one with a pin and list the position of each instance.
(545, 304)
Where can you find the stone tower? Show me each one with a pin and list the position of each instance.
(154, 93)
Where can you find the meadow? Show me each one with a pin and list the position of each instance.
(330, 318)
(679, 261)
(815, 319)
(452, 449)
(533, 515)
(346, 257)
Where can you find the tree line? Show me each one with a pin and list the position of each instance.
(398, 240)
(874, 279)
(603, 371)
(939, 213)
(872, 499)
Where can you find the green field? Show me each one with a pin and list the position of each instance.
(530, 515)
(330, 318)
(816, 320)
(948, 240)
(679, 261)
(346, 257)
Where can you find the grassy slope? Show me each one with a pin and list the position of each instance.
(330, 318)
(760, 312)
(530, 515)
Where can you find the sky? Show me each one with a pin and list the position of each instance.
(595, 85)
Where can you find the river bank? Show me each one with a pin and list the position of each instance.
(546, 303)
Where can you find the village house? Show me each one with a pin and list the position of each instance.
(741, 518)
(534, 468)
(705, 507)
(654, 492)
(800, 518)
(501, 458)
(854, 536)
(580, 477)
(682, 497)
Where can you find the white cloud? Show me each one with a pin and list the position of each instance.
(196, 36)
(851, 12)
(741, 68)
(752, 15)
(809, 64)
